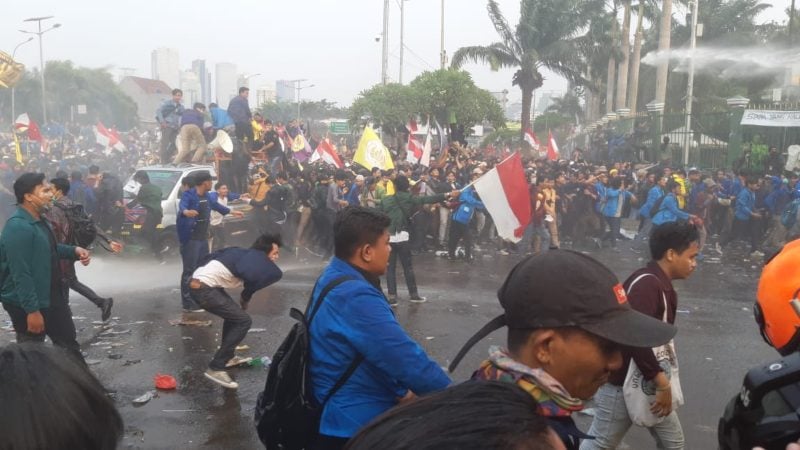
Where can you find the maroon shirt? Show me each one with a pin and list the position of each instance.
(646, 297)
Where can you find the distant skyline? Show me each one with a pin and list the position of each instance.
(330, 43)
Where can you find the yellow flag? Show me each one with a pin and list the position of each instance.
(16, 148)
(372, 153)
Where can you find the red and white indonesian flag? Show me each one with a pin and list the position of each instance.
(25, 124)
(327, 153)
(414, 150)
(552, 147)
(425, 159)
(530, 138)
(411, 126)
(107, 138)
(504, 192)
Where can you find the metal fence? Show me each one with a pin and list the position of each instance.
(710, 136)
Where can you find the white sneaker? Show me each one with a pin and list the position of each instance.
(417, 299)
(238, 361)
(198, 310)
(221, 378)
(718, 248)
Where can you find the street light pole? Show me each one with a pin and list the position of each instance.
(385, 50)
(299, 88)
(14, 53)
(39, 33)
(402, 40)
(442, 55)
(690, 84)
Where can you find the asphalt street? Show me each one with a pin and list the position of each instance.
(717, 340)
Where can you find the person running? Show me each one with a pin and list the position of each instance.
(231, 268)
(62, 230)
(30, 287)
(673, 248)
(150, 196)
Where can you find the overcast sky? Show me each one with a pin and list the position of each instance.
(329, 42)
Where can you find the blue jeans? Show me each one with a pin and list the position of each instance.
(611, 422)
(191, 254)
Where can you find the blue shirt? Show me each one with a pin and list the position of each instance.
(669, 211)
(355, 318)
(653, 195)
(615, 200)
(191, 201)
(220, 118)
(745, 202)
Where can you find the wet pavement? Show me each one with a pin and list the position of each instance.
(717, 340)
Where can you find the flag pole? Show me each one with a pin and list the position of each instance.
(494, 168)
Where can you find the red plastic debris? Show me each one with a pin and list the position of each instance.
(165, 382)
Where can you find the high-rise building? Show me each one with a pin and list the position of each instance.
(226, 87)
(284, 91)
(165, 66)
(192, 88)
(199, 68)
(265, 93)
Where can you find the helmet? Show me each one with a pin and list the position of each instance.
(778, 289)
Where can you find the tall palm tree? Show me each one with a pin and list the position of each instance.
(550, 34)
(633, 87)
(622, 77)
(664, 40)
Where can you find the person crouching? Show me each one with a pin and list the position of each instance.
(231, 268)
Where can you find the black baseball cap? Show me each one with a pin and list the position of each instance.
(562, 288)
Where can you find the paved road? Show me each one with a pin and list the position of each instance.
(717, 341)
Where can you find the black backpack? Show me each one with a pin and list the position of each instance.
(657, 206)
(287, 416)
(82, 229)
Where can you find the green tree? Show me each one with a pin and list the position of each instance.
(444, 94)
(309, 111)
(550, 34)
(386, 106)
(69, 86)
(451, 94)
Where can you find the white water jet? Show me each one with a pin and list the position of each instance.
(730, 62)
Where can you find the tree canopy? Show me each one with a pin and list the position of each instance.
(69, 86)
(446, 95)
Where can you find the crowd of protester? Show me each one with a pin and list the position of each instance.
(367, 221)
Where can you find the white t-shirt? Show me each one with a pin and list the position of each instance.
(216, 218)
(216, 275)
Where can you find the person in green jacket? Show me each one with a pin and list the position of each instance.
(31, 284)
(400, 207)
(149, 196)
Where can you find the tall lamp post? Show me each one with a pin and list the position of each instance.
(39, 33)
(300, 88)
(13, 110)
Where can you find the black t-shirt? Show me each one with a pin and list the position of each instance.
(200, 231)
(272, 137)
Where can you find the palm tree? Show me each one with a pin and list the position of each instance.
(633, 88)
(622, 77)
(550, 34)
(664, 40)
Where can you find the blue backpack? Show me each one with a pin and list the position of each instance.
(789, 215)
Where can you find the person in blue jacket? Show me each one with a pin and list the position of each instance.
(745, 219)
(354, 322)
(655, 193)
(194, 228)
(460, 223)
(230, 268)
(668, 210)
(616, 195)
(219, 117)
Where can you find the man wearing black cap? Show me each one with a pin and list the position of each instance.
(567, 317)
(674, 248)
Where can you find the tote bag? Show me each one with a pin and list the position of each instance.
(640, 393)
